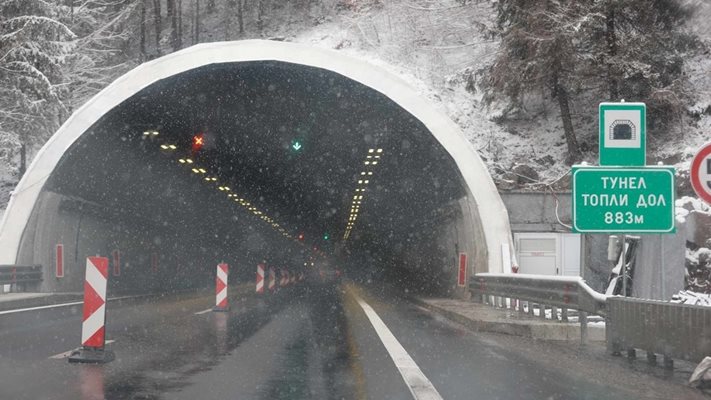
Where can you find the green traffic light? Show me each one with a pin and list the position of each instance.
(296, 145)
(326, 236)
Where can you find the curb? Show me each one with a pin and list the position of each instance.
(539, 330)
(39, 301)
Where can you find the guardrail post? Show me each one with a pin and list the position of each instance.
(542, 309)
(583, 328)
(530, 308)
(521, 310)
(564, 314)
(631, 353)
(554, 313)
(668, 362)
(651, 357)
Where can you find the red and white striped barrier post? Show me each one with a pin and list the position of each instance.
(272, 280)
(221, 288)
(282, 276)
(260, 278)
(94, 318)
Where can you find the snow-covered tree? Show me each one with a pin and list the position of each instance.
(105, 44)
(34, 45)
(539, 52)
(602, 49)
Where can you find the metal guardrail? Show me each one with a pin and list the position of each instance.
(12, 274)
(556, 291)
(673, 330)
(544, 291)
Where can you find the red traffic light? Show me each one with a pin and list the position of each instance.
(301, 236)
(198, 141)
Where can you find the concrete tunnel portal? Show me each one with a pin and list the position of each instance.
(294, 141)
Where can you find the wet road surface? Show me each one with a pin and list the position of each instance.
(312, 341)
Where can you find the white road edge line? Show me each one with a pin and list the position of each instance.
(420, 387)
(74, 303)
(68, 353)
(203, 311)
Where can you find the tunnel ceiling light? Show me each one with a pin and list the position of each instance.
(380, 150)
(375, 163)
(164, 147)
(371, 150)
(182, 161)
(188, 160)
(195, 170)
(172, 146)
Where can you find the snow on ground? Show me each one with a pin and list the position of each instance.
(692, 298)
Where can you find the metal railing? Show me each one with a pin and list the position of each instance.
(22, 274)
(673, 330)
(521, 291)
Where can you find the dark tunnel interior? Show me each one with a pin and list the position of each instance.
(262, 160)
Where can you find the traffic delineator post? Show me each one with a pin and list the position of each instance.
(272, 280)
(282, 276)
(221, 288)
(93, 329)
(292, 278)
(260, 278)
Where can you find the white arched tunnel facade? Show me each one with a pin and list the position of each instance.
(487, 216)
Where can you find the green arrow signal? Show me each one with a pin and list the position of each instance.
(296, 145)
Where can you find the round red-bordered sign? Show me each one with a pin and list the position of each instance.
(701, 173)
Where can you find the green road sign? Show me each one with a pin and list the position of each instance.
(623, 136)
(623, 200)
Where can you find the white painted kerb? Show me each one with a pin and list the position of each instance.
(490, 207)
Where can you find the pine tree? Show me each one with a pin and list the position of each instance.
(604, 49)
(538, 53)
(34, 45)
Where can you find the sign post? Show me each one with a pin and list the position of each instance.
(624, 195)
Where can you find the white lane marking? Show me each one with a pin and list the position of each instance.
(417, 382)
(203, 311)
(41, 307)
(74, 303)
(68, 353)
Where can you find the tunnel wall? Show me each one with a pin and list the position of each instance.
(490, 209)
(85, 230)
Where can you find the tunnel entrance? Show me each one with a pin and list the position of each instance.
(258, 157)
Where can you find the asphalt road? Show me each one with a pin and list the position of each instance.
(311, 341)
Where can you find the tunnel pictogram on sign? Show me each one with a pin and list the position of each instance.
(260, 278)
(93, 330)
(221, 288)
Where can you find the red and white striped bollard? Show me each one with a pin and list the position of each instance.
(272, 280)
(260, 278)
(93, 329)
(221, 288)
